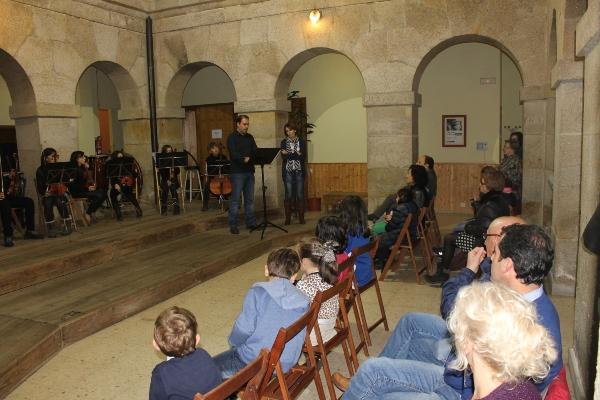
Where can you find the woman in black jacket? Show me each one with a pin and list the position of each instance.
(293, 170)
(492, 204)
(82, 186)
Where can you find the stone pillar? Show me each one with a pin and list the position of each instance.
(267, 118)
(535, 129)
(136, 141)
(391, 144)
(42, 125)
(584, 351)
(170, 127)
(567, 80)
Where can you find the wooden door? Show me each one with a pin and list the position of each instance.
(104, 120)
(211, 118)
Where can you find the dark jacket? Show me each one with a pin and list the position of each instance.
(183, 377)
(300, 157)
(78, 185)
(241, 146)
(491, 205)
(591, 234)
(432, 182)
(400, 213)
(40, 180)
(420, 196)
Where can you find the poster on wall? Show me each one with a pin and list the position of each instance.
(454, 130)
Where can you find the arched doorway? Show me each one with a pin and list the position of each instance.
(99, 105)
(474, 81)
(20, 136)
(326, 88)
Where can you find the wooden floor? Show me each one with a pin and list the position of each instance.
(54, 292)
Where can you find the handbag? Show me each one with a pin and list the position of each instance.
(467, 242)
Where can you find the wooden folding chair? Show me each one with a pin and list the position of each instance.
(253, 372)
(289, 385)
(371, 248)
(431, 224)
(343, 335)
(16, 220)
(354, 301)
(403, 242)
(76, 207)
(424, 242)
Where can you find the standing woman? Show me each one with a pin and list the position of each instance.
(82, 186)
(293, 170)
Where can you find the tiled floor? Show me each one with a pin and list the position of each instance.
(116, 362)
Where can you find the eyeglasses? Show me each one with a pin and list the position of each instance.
(487, 235)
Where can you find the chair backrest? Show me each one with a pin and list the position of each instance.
(404, 231)
(365, 248)
(348, 263)
(307, 321)
(247, 376)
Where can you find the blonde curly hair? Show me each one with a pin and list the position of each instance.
(503, 329)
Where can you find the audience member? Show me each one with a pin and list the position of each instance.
(319, 270)
(428, 163)
(188, 370)
(516, 139)
(417, 357)
(484, 324)
(353, 214)
(512, 169)
(268, 306)
(331, 229)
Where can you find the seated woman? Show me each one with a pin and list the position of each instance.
(497, 336)
(216, 164)
(122, 185)
(393, 222)
(52, 195)
(416, 180)
(169, 183)
(82, 187)
(353, 214)
(491, 205)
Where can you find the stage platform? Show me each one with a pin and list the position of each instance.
(54, 292)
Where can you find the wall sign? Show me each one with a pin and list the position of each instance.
(454, 130)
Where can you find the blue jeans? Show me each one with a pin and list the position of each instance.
(294, 185)
(229, 363)
(411, 365)
(242, 183)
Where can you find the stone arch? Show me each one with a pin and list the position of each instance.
(17, 80)
(127, 89)
(459, 40)
(178, 83)
(293, 65)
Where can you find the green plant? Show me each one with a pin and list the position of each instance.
(299, 117)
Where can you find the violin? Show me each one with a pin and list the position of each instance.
(57, 189)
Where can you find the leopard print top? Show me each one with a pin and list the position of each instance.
(313, 283)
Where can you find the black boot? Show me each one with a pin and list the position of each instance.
(288, 212)
(176, 210)
(300, 207)
(52, 232)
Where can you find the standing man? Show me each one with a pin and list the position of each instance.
(242, 150)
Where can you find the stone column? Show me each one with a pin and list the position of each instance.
(535, 129)
(567, 80)
(42, 125)
(136, 141)
(170, 127)
(391, 141)
(267, 118)
(583, 353)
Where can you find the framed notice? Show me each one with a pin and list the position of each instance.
(454, 130)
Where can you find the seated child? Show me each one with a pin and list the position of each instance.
(268, 306)
(330, 229)
(188, 370)
(394, 221)
(353, 214)
(319, 268)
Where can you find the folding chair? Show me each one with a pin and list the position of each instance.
(431, 224)
(289, 385)
(424, 242)
(76, 206)
(170, 200)
(370, 248)
(254, 371)
(403, 242)
(354, 301)
(343, 334)
(16, 221)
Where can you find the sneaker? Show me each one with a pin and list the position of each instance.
(8, 241)
(32, 235)
(437, 279)
(234, 230)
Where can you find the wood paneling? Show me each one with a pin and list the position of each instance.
(457, 184)
(209, 117)
(336, 177)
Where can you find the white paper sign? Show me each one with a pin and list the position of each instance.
(217, 133)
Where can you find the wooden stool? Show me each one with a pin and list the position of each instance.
(192, 175)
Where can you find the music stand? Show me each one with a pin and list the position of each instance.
(264, 156)
(60, 172)
(120, 167)
(176, 159)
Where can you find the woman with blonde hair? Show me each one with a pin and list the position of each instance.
(497, 335)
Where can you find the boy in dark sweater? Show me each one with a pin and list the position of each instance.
(188, 370)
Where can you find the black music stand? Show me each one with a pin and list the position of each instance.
(264, 156)
(60, 172)
(120, 167)
(171, 160)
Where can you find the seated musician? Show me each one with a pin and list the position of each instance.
(122, 186)
(83, 186)
(214, 166)
(52, 195)
(10, 199)
(169, 183)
